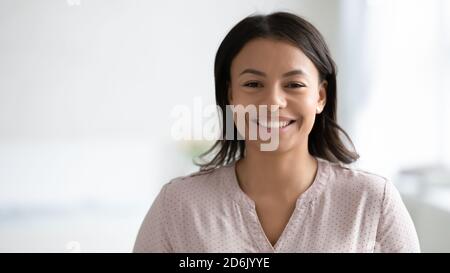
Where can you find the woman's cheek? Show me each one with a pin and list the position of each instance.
(308, 114)
(242, 98)
(310, 103)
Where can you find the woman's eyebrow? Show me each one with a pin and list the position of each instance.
(295, 72)
(253, 71)
(260, 73)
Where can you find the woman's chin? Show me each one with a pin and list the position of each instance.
(273, 145)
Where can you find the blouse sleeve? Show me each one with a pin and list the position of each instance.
(152, 235)
(396, 231)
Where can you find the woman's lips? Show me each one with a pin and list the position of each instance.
(282, 126)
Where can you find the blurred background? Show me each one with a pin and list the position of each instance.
(87, 89)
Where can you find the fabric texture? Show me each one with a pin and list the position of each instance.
(344, 210)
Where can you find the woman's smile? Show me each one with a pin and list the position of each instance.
(281, 125)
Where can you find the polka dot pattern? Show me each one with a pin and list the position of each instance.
(344, 210)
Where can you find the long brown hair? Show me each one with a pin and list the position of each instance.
(324, 140)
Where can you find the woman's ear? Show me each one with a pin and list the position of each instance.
(322, 97)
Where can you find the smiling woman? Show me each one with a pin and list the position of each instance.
(278, 43)
(300, 197)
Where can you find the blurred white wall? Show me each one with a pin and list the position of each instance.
(401, 116)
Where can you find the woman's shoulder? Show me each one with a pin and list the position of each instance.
(200, 184)
(198, 177)
(353, 178)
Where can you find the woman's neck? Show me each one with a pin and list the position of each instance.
(287, 173)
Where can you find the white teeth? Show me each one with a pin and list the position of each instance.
(273, 124)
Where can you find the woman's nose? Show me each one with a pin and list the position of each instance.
(276, 96)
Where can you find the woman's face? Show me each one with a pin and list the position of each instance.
(271, 72)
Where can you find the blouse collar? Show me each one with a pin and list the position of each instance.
(308, 196)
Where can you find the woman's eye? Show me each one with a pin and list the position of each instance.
(295, 85)
(252, 84)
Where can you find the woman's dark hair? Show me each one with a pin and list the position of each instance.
(325, 137)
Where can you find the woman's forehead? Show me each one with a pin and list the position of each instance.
(271, 56)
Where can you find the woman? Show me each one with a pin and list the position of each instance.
(301, 196)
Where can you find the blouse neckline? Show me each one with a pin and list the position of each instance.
(303, 201)
(309, 195)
